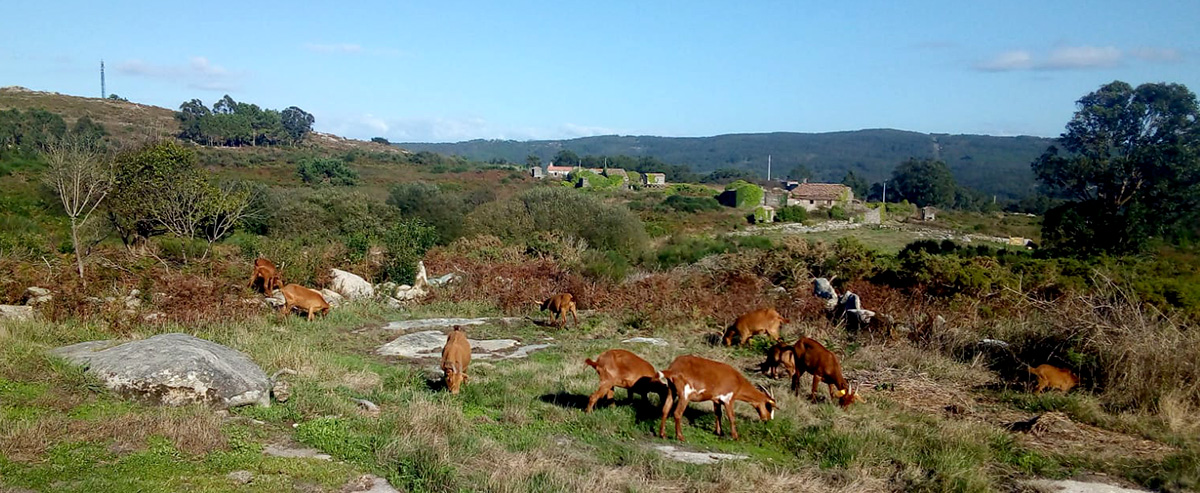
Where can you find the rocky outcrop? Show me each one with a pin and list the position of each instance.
(16, 312)
(36, 296)
(349, 285)
(174, 369)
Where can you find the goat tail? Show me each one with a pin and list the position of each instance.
(589, 362)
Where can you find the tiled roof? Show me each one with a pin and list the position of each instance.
(558, 168)
(819, 191)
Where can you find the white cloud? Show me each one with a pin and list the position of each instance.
(344, 48)
(1081, 57)
(1009, 60)
(198, 73)
(1075, 58)
(439, 129)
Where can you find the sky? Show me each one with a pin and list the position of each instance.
(449, 71)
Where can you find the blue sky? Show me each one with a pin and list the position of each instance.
(454, 70)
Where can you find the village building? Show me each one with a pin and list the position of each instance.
(559, 172)
(813, 196)
(537, 172)
(928, 213)
(654, 179)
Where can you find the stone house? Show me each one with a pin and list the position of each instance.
(559, 172)
(654, 179)
(927, 213)
(813, 196)
(537, 172)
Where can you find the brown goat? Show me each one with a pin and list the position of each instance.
(621, 368)
(781, 358)
(295, 295)
(1053, 377)
(692, 378)
(811, 357)
(266, 275)
(761, 321)
(559, 305)
(456, 355)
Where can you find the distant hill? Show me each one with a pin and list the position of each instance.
(129, 122)
(993, 165)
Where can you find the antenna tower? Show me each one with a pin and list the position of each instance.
(102, 94)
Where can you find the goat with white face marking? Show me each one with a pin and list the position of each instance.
(692, 378)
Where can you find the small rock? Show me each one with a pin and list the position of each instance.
(155, 317)
(438, 282)
(350, 285)
(696, 457)
(281, 391)
(241, 477)
(16, 312)
(647, 340)
(1070, 486)
(367, 406)
(294, 452)
(370, 483)
(36, 296)
(392, 303)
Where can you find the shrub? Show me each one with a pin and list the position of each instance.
(741, 194)
(791, 214)
(330, 171)
(605, 266)
(570, 213)
(691, 204)
(406, 243)
(689, 190)
(441, 209)
(838, 213)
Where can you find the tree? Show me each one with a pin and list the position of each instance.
(297, 122)
(82, 176)
(332, 171)
(115, 97)
(533, 161)
(140, 177)
(856, 183)
(380, 140)
(1129, 170)
(800, 172)
(566, 158)
(226, 207)
(924, 182)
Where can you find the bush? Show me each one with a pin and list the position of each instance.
(741, 194)
(330, 171)
(605, 266)
(791, 214)
(838, 213)
(689, 190)
(565, 211)
(444, 210)
(691, 204)
(406, 243)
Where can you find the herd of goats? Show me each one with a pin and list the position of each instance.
(688, 378)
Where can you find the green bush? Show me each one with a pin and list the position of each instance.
(791, 214)
(689, 249)
(330, 171)
(691, 204)
(741, 194)
(838, 213)
(605, 266)
(406, 243)
(570, 213)
(443, 209)
(689, 190)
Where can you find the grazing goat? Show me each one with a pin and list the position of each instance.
(295, 295)
(692, 378)
(559, 305)
(455, 358)
(812, 357)
(781, 358)
(761, 321)
(621, 368)
(1053, 377)
(265, 274)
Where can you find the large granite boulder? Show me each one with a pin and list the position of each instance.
(16, 312)
(350, 285)
(823, 289)
(174, 370)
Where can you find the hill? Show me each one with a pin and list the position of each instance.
(994, 165)
(129, 122)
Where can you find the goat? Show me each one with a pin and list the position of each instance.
(621, 368)
(265, 274)
(1053, 377)
(761, 321)
(780, 358)
(456, 355)
(295, 295)
(559, 305)
(811, 357)
(694, 378)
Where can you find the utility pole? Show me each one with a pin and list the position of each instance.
(768, 167)
(885, 193)
(102, 93)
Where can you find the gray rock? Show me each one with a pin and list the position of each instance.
(294, 452)
(438, 282)
(1071, 486)
(429, 344)
(429, 323)
(370, 483)
(823, 289)
(646, 340)
(350, 286)
(681, 455)
(850, 301)
(174, 369)
(16, 312)
(241, 477)
(524, 351)
(332, 297)
(36, 296)
(155, 317)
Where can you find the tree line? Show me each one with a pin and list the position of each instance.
(230, 123)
